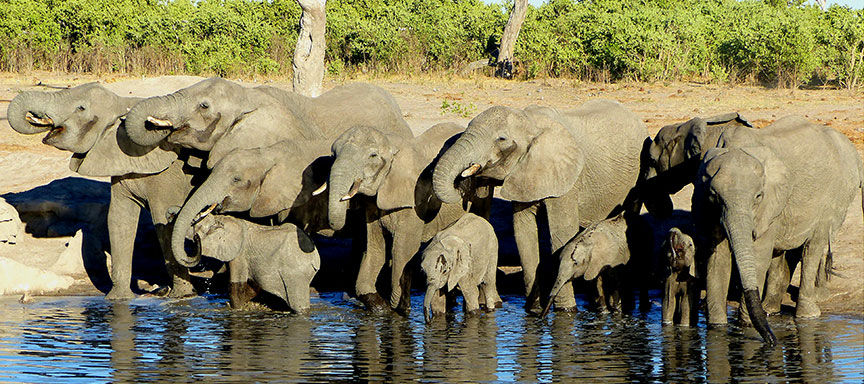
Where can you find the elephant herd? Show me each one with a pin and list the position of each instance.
(249, 174)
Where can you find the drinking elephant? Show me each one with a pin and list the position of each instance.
(681, 288)
(392, 177)
(280, 260)
(217, 115)
(763, 192)
(284, 179)
(464, 254)
(578, 164)
(86, 120)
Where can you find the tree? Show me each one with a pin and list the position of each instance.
(309, 54)
(508, 39)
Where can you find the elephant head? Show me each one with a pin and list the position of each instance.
(532, 151)
(263, 181)
(675, 153)
(738, 194)
(445, 262)
(600, 246)
(680, 253)
(219, 237)
(84, 120)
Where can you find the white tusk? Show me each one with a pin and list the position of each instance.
(346, 197)
(159, 122)
(38, 121)
(320, 190)
(206, 212)
(353, 191)
(471, 170)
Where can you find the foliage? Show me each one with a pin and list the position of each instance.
(457, 108)
(776, 41)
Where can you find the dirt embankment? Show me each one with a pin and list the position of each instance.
(26, 164)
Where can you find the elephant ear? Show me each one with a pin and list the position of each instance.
(609, 250)
(300, 169)
(776, 187)
(695, 143)
(114, 154)
(552, 164)
(397, 189)
(459, 249)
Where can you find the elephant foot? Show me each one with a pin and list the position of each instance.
(473, 313)
(572, 309)
(499, 304)
(181, 288)
(772, 308)
(117, 293)
(716, 325)
(534, 308)
(374, 303)
(403, 310)
(240, 294)
(807, 309)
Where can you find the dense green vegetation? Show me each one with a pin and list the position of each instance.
(644, 40)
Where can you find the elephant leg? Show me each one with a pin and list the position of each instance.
(493, 300)
(525, 233)
(812, 257)
(691, 296)
(471, 296)
(181, 282)
(776, 284)
(406, 242)
(123, 212)
(370, 267)
(670, 289)
(600, 295)
(563, 218)
(717, 285)
(684, 305)
(240, 292)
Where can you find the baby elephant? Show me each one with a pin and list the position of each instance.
(680, 292)
(280, 260)
(465, 254)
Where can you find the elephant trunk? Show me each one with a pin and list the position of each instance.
(739, 228)
(197, 202)
(342, 185)
(35, 104)
(462, 155)
(140, 126)
(427, 303)
(565, 274)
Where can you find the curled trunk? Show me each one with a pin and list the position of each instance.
(38, 103)
(455, 160)
(190, 210)
(161, 107)
(342, 176)
(739, 229)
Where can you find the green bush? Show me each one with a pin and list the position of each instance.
(774, 42)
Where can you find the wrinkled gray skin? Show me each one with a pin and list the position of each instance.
(218, 116)
(280, 260)
(580, 164)
(594, 252)
(85, 120)
(764, 192)
(279, 179)
(680, 289)
(393, 175)
(463, 255)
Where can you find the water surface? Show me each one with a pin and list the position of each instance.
(88, 339)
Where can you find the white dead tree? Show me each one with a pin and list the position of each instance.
(508, 39)
(821, 4)
(309, 53)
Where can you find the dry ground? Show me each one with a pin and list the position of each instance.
(425, 100)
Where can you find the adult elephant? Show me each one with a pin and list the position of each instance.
(763, 192)
(86, 120)
(393, 175)
(578, 164)
(218, 116)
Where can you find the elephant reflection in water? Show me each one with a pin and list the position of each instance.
(461, 352)
(123, 349)
(384, 349)
(682, 349)
(279, 347)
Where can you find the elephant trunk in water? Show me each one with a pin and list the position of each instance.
(565, 273)
(427, 303)
(153, 119)
(185, 219)
(739, 230)
(343, 185)
(462, 155)
(31, 107)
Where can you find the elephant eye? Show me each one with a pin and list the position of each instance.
(758, 195)
(501, 138)
(373, 154)
(236, 179)
(205, 105)
(81, 108)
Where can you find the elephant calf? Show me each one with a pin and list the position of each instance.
(464, 254)
(280, 260)
(681, 289)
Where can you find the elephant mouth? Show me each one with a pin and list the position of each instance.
(53, 133)
(39, 121)
(216, 207)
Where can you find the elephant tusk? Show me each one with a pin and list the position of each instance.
(320, 190)
(353, 191)
(38, 120)
(159, 122)
(205, 213)
(471, 170)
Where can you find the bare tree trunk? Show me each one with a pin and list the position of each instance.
(508, 39)
(309, 53)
